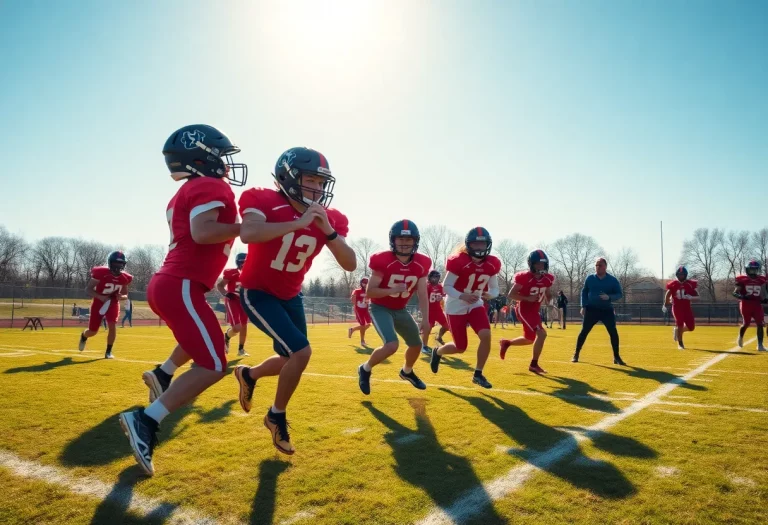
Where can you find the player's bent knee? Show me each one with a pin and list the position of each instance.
(391, 347)
(484, 336)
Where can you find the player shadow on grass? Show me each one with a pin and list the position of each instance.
(263, 507)
(114, 507)
(557, 451)
(578, 393)
(106, 443)
(740, 352)
(368, 351)
(424, 463)
(50, 365)
(659, 376)
(215, 414)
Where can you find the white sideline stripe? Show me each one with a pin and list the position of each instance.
(740, 371)
(301, 515)
(475, 500)
(670, 411)
(86, 486)
(90, 355)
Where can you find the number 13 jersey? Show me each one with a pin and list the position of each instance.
(278, 267)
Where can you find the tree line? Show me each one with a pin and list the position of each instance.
(713, 256)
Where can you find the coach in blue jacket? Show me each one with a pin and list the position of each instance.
(597, 296)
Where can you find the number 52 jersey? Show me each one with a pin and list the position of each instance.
(278, 267)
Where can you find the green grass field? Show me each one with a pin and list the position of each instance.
(587, 443)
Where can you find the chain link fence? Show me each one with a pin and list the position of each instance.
(71, 307)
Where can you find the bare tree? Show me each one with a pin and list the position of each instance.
(734, 250)
(625, 266)
(49, 253)
(759, 247)
(701, 255)
(513, 256)
(347, 281)
(364, 248)
(573, 257)
(89, 254)
(143, 262)
(438, 242)
(13, 248)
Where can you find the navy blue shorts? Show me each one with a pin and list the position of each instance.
(283, 321)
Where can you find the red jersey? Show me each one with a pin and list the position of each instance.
(751, 287)
(278, 267)
(187, 259)
(361, 301)
(435, 293)
(232, 276)
(109, 284)
(533, 286)
(679, 289)
(395, 272)
(472, 277)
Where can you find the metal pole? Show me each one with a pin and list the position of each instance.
(63, 298)
(661, 227)
(13, 302)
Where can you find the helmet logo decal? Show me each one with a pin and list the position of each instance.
(287, 159)
(190, 138)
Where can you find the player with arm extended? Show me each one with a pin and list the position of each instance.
(680, 292)
(229, 288)
(470, 282)
(751, 292)
(285, 229)
(530, 289)
(395, 275)
(202, 218)
(107, 286)
(362, 315)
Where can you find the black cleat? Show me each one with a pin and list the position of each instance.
(364, 380)
(157, 381)
(413, 379)
(434, 361)
(482, 381)
(575, 358)
(108, 355)
(142, 435)
(617, 361)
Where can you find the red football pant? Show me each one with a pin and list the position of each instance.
(109, 311)
(477, 318)
(531, 321)
(752, 310)
(363, 316)
(683, 314)
(437, 316)
(235, 313)
(181, 304)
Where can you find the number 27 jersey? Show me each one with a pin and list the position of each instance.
(278, 266)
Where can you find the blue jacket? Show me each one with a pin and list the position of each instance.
(594, 286)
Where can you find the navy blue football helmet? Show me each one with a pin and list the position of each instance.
(434, 277)
(116, 262)
(293, 164)
(404, 228)
(537, 256)
(752, 268)
(240, 260)
(200, 150)
(681, 273)
(478, 234)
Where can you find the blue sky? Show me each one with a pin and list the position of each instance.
(535, 119)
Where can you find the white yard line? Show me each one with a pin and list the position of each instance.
(120, 496)
(474, 501)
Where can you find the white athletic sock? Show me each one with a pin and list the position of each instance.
(407, 369)
(156, 411)
(169, 367)
(276, 411)
(366, 367)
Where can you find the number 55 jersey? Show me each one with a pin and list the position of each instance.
(278, 267)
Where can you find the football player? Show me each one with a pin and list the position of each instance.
(108, 286)
(751, 291)
(229, 287)
(202, 218)
(395, 274)
(362, 315)
(681, 291)
(471, 278)
(285, 229)
(436, 313)
(530, 289)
